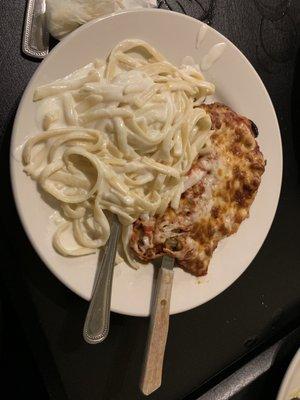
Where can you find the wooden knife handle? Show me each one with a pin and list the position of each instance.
(158, 332)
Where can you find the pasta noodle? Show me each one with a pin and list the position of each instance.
(125, 136)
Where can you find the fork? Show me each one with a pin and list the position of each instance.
(35, 42)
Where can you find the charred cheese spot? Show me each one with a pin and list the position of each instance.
(215, 211)
(214, 207)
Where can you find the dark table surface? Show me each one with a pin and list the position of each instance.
(209, 343)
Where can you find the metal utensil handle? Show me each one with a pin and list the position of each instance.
(96, 325)
(158, 330)
(35, 42)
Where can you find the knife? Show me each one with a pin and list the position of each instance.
(35, 42)
(158, 330)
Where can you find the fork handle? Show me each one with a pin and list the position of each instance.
(96, 325)
(35, 42)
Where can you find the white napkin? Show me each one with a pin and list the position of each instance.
(63, 16)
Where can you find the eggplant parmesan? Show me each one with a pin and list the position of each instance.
(219, 190)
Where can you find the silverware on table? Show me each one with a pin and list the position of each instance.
(158, 330)
(96, 325)
(35, 42)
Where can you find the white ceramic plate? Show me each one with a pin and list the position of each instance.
(290, 386)
(238, 85)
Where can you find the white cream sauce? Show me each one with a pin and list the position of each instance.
(56, 218)
(50, 105)
(145, 217)
(200, 35)
(146, 241)
(213, 55)
(17, 153)
(194, 177)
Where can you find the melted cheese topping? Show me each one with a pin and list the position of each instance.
(215, 206)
